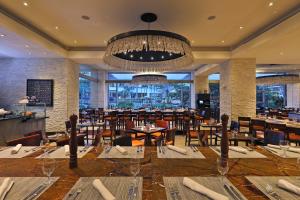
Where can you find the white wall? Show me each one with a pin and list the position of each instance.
(15, 72)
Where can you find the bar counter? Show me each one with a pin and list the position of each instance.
(14, 127)
(152, 169)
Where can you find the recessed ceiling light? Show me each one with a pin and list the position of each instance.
(241, 27)
(56, 27)
(212, 17)
(26, 45)
(85, 17)
(223, 41)
(281, 53)
(75, 41)
(193, 41)
(25, 3)
(271, 4)
(2, 35)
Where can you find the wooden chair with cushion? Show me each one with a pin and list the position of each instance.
(161, 124)
(244, 122)
(258, 128)
(141, 117)
(273, 137)
(109, 134)
(191, 135)
(32, 140)
(170, 136)
(130, 125)
(170, 118)
(123, 141)
(293, 135)
(276, 126)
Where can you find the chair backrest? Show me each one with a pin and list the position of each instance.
(170, 136)
(68, 125)
(162, 124)
(276, 126)
(32, 140)
(234, 125)
(273, 137)
(244, 121)
(123, 141)
(129, 125)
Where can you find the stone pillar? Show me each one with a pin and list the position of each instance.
(102, 89)
(293, 95)
(201, 84)
(238, 88)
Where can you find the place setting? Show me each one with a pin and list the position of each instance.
(121, 151)
(283, 150)
(239, 152)
(186, 152)
(109, 188)
(28, 188)
(64, 151)
(277, 187)
(18, 151)
(203, 188)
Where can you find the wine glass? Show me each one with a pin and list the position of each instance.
(48, 166)
(222, 167)
(135, 167)
(284, 146)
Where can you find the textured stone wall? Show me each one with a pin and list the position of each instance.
(201, 84)
(238, 88)
(293, 95)
(15, 72)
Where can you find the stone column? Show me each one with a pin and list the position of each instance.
(293, 95)
(102, 89)
(201, 84)
(238, 88)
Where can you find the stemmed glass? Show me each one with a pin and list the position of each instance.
(106, 146)
(135, 168)
(222, 168)
(48, 167)
(284, 145)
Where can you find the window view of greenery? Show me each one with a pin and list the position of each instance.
(84, 93)
(127, 95)
(271, 96)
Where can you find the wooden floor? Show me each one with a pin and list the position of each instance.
(153, 169)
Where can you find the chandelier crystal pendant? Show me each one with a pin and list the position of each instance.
(148, 50)
(149, 78)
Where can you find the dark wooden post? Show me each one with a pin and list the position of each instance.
(224, 140)
(73, 142)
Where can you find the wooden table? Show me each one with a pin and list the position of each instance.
(148, 133)
(239, 137)
(211, 127)
(152, 169)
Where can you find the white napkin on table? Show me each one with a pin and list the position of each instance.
(294, 149)
(121, 150)
(98, 185)
(288, 186)
(274, 146)
(193, 185)
(5, 187)
(238, 149)
(178, 149)
(16, 149)
(67, 150)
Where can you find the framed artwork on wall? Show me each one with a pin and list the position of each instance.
(40, 91)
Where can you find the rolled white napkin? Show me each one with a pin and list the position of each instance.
(288, 186)
(238, 149)
(274, 146)
(98, 185)
(5, 187)
(178, 149)
(16, 149)
(294, 149)
(67, 150)
(121, 150)
(203, 190)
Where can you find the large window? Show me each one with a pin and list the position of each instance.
(84, 93)
(271, 96)
(122, 94)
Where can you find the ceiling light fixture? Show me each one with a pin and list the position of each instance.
(75, 41)
(241, 27)
(25, 3)
(149, 78)
(223, 41)
(151, 45)
(26, 45)
(2, 35)
(56, 27)
(212, 17)
(271, 4)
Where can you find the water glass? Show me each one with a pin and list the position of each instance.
(284, 146)
(222, 167)
(48, 166)
(135, 167)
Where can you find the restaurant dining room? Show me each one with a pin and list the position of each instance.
(149, 100)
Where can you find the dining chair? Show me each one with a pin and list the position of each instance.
(293, 135)
(191, 135)
(109, 134)
(123, 141)
(129, 125)
(258, 127)
(273, 137)
(244, 123)
(170, 118)
(276, 126)
(170, 136)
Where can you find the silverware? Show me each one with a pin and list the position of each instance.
(228, 190)
(52, 150)
(174, 192)
(270, 191)
(35, 192)
(74, 195)
(235, 192)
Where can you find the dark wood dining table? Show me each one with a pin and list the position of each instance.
(153, 169)
(211, 127)
(148, 133)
